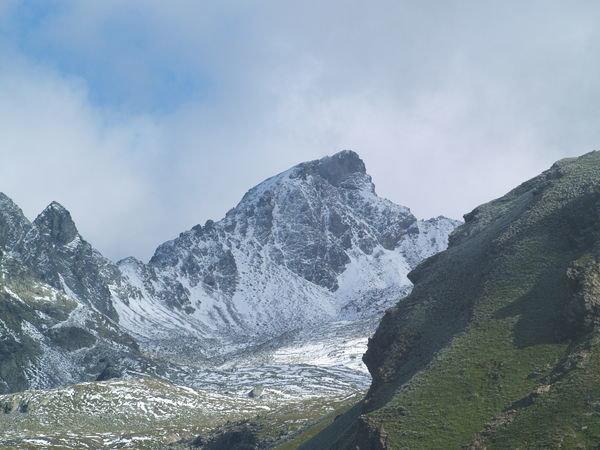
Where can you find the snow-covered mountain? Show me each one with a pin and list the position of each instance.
(57, 323)
(279, 296)
(312, 245)
(309, 259)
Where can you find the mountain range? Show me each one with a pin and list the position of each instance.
(280, 295)
(247, 332)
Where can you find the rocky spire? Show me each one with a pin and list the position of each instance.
(59, 256)
(340, 166)
(13, 223)
(56, 222)
(343, 169)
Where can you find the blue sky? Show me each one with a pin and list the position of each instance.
(145, 117)
(117, 58)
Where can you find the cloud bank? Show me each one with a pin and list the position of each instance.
(145, 117)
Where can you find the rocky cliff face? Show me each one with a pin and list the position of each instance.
(53, 249)
(57, 323)
(13, 223)
(59, 256)
(496, 344)
(48, 338)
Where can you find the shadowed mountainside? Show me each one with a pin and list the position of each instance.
(497, 345)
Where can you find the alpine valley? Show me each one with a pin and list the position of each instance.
(245, 331)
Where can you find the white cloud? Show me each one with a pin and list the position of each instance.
(449, 103)
(55, 146)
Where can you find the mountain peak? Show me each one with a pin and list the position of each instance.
(7, 205)
(13, 223)
(348, 159)
(344, 169)
(57, 207)
(5, 198)
(347, 155)
(339, 167)
(56, 221)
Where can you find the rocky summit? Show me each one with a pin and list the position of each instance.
(56, 327)
(497, 345)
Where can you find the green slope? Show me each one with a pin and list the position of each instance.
(497, 345)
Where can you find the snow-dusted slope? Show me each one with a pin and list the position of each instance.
(52, 248)
(147, 413)
(310, 246)
(59, 256)
(55, 305)
(48, 339)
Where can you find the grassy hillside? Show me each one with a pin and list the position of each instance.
(497, 346)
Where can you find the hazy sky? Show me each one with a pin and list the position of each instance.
(146, 117)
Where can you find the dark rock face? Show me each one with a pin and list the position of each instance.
(235, 440)
(46, 343)
(59, 256)
(13, 224)
(71, 338)
(256, 392)
(203, 259)
(342, 169)
(49, 339)
(582, 310)
(109, 372)
(241, 436)
(370, 435)
(56, 223)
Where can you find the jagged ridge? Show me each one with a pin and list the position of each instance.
(310, 246)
